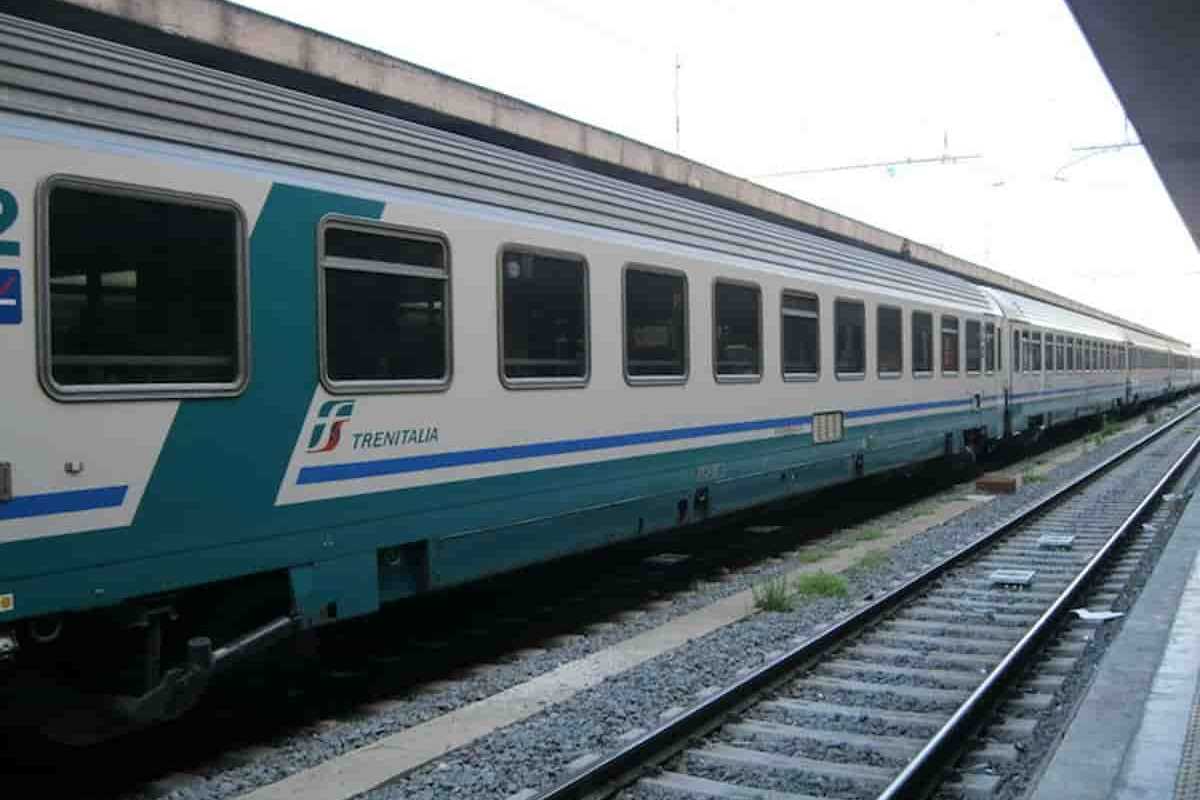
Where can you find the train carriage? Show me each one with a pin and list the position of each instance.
(1150, 366)
(278, 360)
(1062, 364)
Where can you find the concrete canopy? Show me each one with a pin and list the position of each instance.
(1150, 51)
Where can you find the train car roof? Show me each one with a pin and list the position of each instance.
(124, 90)
(1035, 312)
(244, 42)
(1142, 339)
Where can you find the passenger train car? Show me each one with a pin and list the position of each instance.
(270, 362)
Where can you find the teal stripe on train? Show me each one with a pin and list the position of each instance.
(219, 470)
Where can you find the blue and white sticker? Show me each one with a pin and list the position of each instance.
(10, 297)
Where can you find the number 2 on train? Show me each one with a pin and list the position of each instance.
(8, 215)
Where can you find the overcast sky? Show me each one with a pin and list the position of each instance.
(768, 88)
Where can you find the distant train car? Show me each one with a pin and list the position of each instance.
(277, 361)
(1063, 364)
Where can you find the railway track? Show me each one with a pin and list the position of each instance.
(883, 703)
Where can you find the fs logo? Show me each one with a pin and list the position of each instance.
(328, 431)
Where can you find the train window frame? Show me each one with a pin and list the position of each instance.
(798, 377)
(1017, 349)
(731, 377)
(1060, 345)
(850, 375)
(666, 379)
(928, 315)
(138, 391)
(543, 382)
(888, 374)
(966, 330)
(365, 225)
(942, 319)
(1036, 353)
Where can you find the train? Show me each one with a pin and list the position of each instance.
(271, 361)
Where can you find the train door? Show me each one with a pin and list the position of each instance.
(1128, 374)
(1007, 365)
(1170, 370)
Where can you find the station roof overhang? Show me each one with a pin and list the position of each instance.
(1150, 51)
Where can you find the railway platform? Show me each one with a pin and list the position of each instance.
(1137, 732)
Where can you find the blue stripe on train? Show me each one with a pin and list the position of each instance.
(40, 505)
(488, 455)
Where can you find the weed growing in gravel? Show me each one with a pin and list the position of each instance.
(772, 595)
(869, 535)
(1108, 428)
(812, 556)
(822, 584)
(1032, 477)
(872, 559)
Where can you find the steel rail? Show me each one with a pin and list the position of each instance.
(618, 769)
(923, 774)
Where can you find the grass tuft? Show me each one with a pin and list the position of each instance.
(813, 555)
(872, 559)
(868, 535)
(822, 584)
(1032, 477)
(772, 595)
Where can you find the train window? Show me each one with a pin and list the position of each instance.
(1051, 358)
(737, 332)
(1018, 361)
(1035, 352)
(974, 348)
(850, 335)
(383, 308)
(989, 346)
(1060, 344)
(143, 293)
(999, 350)
(655, 326)
(543, 318)
(949, 344)
(799, 320)
(922, 343)
(1072, 364)
(889, 341)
